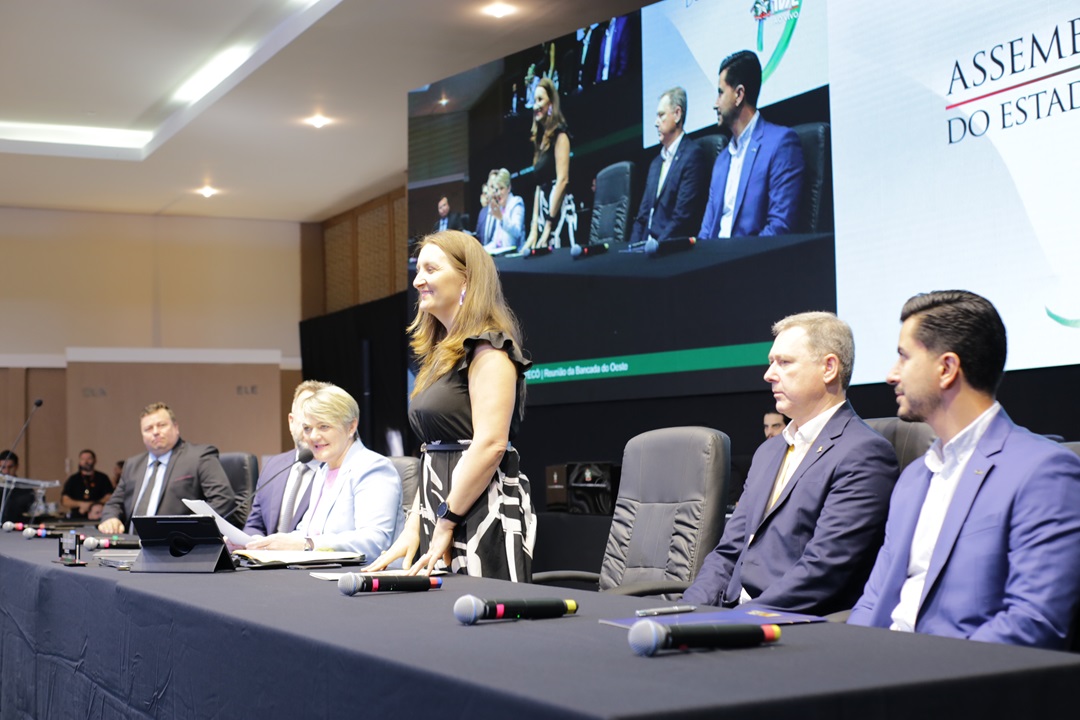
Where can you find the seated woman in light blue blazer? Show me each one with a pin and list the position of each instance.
(356, 493)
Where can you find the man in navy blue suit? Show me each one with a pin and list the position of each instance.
(675, 191)
(758, 177)
(809, 523)
(284, 479)
(983, 536)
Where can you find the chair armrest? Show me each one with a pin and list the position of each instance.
(554, 577)
(657, 587)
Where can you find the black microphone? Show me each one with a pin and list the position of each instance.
(469, 608)
(538, 252)
(583, 251)
(117, 543)
(353, 583)
(7, 490)
(648, 636)
(9, 526)
(656, 248)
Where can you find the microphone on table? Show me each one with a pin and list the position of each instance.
(469, 608)
(538, 252)
(20, 526)
(353, 583)
(646, 637)
(584, 251)
(656, 248)
(117, 543)
(42, 532)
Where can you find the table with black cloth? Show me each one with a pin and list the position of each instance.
(96, 642)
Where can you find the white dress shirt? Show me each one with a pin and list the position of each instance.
(947, 465)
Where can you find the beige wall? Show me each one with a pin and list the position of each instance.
(74, 279)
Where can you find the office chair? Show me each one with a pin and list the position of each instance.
(910, 440)
(408, 468)
(669, 514)
(816, 201)
(611, 217)
(242, 469)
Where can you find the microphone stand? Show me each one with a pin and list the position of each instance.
(11, 451)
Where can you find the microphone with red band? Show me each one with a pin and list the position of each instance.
(42, 532)
(584, 251)
(646, 637)
(20, 526)
(656, 248)
(353, 583)
(538, 251)
(469, 608)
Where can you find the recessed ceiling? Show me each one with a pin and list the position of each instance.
(117, 64)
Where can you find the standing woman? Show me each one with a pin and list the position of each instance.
(551, 164)
(473, 510)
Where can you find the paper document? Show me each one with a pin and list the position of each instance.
(232, 533)
(281, 558)
(377, 573)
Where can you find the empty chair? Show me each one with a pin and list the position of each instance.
(669, 514)
(816, 201)
(408, 468)
(242, 469)
(611, 216)
(910, 440)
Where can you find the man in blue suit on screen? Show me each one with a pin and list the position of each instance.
(758, 177)
(810, 521)
(983, 536)
(675, 190)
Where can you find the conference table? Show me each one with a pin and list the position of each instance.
(98, 642)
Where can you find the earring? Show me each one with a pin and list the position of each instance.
(461, 301)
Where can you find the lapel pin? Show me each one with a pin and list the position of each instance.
(820, 448)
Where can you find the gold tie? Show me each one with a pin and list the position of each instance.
(778, 485)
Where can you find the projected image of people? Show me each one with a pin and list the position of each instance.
(757, 179)
(505, 217)
(553, 208)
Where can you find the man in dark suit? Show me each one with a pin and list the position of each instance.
(284, 478)
(447, 220)
(171, 470)
(808, 526)
(983, 536)
(757, 179)
(675, 190)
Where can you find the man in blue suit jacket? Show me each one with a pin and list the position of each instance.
(757, 179)
(279, 475)
(675, 209)
(806, 530)
(983, 537)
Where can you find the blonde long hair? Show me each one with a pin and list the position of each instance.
(484, 309)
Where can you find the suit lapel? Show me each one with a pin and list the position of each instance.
(978, 467)
(747, 169)
(757, 513)
(138, 478)
(669, 181)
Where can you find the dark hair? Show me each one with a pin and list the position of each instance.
(743, 68)
(964, 323)
(8, 455)
(92, 453)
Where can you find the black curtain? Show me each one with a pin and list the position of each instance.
(363, 349)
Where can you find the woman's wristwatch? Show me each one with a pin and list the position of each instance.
(443, 511)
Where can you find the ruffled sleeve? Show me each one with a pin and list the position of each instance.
(499, 341)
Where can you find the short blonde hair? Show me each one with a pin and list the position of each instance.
(333, 405)
(826, 334)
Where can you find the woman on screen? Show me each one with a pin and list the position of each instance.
(473, 510)
(551, 166)
(507, 213)
(355, 501)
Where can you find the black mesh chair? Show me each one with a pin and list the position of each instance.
(910, 440)
(611, 217)
(816, 202)
(713, 144)
(669, 514)
(242, 469)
